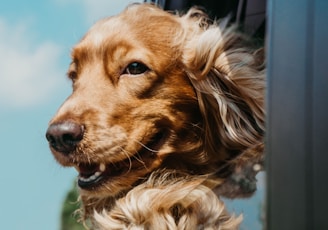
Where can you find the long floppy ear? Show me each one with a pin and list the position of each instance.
(229, 80)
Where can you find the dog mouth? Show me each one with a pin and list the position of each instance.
(93, 175)
(90, 174)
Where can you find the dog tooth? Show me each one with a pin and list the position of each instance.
(102, 167)
(82, 179)
(93, 177)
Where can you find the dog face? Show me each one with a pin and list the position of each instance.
(132, 104)
(151, 91)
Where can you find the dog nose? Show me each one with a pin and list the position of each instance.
(64, 136)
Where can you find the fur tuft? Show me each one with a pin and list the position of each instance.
(168, 202)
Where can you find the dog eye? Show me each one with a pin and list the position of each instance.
(72, 71)
(72, 75)
(135, 68)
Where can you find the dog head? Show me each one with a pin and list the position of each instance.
(153, 90)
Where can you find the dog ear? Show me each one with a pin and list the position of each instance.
(229, 81)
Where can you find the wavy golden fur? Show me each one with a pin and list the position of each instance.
(168, 201)
(155, 91)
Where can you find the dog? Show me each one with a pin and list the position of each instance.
(158, 94)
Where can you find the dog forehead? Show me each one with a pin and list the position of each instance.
(103, 30)
(139, 33)
(136, 22)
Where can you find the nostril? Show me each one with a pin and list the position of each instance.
(65, 136)
(71, 138)
(50, 138)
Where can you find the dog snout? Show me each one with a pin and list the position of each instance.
(64, 136)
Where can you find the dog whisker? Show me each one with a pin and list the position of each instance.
(146, 147)
(139, 159)
(127, 154)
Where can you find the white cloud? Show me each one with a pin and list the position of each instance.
(29, 73)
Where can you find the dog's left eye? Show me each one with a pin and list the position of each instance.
(135, 68)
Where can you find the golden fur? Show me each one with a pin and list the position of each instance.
(168, 201)
(153, 91)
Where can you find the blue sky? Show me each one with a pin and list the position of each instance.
(35, 41)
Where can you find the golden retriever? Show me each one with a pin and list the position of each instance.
(158, 93)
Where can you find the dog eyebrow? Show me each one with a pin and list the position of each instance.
(80, 55)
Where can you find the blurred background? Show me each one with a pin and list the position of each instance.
(35, 41)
